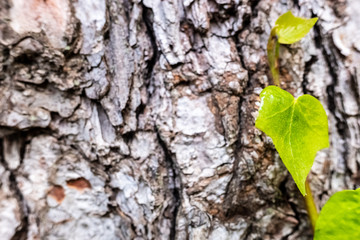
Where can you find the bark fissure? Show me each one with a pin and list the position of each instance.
(176, 182)
(239, 148)
(21, 233)
(148, 23)
(307, 69)
(354, 83)
(331, 61)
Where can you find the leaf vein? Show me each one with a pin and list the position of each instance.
(307, 122)
(290, 125)
(277, 113)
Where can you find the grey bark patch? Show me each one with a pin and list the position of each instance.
(135, 119)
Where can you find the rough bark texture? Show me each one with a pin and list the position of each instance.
(135, 119)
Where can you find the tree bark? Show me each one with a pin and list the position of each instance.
(135, 119)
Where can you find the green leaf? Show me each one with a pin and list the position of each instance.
(290, 29)
(340, 217)
(298, 128)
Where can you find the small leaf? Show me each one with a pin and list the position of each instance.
(298, 128)
(290, 29)
(339, 218)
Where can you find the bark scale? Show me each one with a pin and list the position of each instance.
(135, 119)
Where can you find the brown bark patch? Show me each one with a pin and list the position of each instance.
(57, 192)
(178, 78)
(79, 184)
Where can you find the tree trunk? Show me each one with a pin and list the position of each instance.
(135, 119)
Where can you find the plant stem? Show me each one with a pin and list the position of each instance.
(310, 205)
(273, 56)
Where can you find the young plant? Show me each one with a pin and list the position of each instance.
(288, 29)
(298, 127)
(339, 218)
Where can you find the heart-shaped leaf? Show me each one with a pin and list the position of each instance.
(340, 217)
(290, 29)
(298, 128)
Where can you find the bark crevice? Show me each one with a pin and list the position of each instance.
(174, 175)
(21, 232)
(333, 68)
